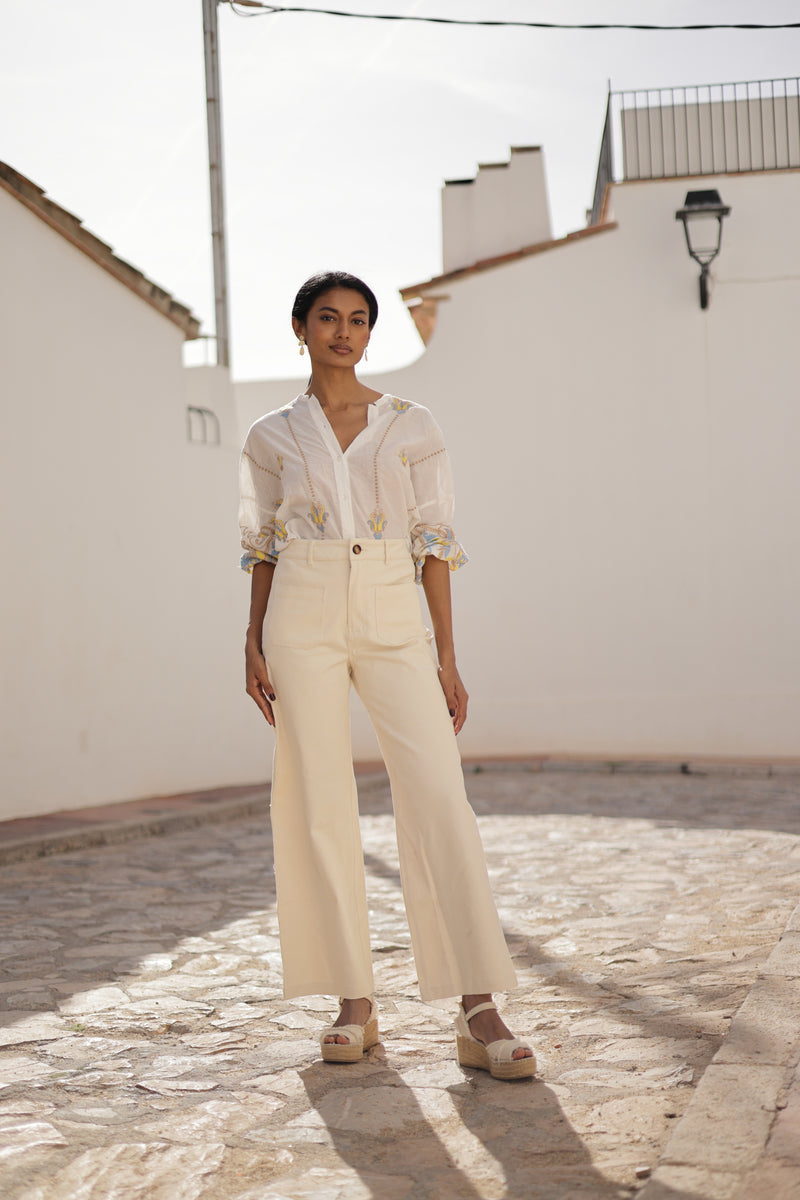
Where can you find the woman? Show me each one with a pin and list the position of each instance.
(345, 500)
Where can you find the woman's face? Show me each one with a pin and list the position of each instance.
(337, 327)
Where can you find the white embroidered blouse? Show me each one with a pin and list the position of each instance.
(393, 481)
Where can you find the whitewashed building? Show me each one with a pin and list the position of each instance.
(121, 639)
(627, 464)
(627, 471)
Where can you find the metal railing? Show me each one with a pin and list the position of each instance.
(709, 129)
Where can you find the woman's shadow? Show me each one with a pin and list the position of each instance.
(463, 1136)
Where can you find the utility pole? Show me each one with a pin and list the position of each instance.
(216, 180)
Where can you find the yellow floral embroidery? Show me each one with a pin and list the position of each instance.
(377, 523)
(401, 406)
(401, 454)
(280, 461)
(440, 541)
(280, 534)
(319, 516)
(249, 560)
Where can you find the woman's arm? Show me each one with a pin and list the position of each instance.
(436, 584)
(258, 682)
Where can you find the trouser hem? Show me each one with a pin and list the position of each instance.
(324, 988)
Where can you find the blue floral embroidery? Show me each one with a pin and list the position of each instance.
(440, 541)
(280, 461)
(377, 523)
(271, 537)
(401, 454)
(401, 406)
(249, 560)
(319, 516)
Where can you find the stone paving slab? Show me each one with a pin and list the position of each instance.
(147, 1051)
(740, 1136)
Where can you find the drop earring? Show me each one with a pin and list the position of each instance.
(301, 341)
(366, 356)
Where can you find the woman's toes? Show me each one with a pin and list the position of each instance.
(522, 1052)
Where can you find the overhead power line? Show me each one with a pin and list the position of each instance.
(256, 8)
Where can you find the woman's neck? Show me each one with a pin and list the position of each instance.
(338, 388)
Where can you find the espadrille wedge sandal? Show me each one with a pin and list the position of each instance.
(497, 1057)
(359, 1038)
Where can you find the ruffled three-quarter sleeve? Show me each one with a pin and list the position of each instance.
(431, 528)
(260, 495)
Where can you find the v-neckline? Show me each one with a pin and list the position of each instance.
(330, 433)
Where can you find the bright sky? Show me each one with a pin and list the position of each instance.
(338, 133)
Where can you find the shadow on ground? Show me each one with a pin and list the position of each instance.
(198, 907)
(695, 801)
(507, 1140)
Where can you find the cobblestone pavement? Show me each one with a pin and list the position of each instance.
(147, 1052)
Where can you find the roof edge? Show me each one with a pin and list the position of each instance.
(499, 260)
(72, 229)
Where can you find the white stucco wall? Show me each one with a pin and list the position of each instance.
(627, 482)
(626, 470)
(123, 610)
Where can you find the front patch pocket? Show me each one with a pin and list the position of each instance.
(397, 613)
(294, 615)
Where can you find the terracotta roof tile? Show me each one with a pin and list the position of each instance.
(71, 228)
(499, 260)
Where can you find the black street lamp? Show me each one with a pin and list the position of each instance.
(700, 211)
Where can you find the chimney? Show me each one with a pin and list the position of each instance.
(503, 209)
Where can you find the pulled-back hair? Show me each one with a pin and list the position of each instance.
(323, 282)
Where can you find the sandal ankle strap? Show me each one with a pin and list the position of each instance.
(478, 1009)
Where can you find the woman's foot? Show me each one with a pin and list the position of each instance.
(488, 1026)
(483, 1041)
(351, 1012)
(358, 1023)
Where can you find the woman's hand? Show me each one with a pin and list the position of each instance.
(436, 585)
(258, 682)
(455, 694)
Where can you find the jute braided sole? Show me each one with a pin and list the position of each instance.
(474, 1054)
(336, 1052)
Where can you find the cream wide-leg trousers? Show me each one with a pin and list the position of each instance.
(342, 613)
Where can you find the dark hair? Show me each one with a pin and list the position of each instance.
(323, 282)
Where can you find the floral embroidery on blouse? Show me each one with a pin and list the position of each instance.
(394, 483)
(319, 516)
(439, 541)
(270, 536)
(249, 560)
(377, 523)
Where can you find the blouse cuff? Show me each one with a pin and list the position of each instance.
(253, 557)
(440, 541)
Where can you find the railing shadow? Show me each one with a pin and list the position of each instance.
(666, 797)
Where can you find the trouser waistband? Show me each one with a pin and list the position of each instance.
(337, 550)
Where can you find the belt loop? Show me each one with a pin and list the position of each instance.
(310, 555)
(386, 552)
